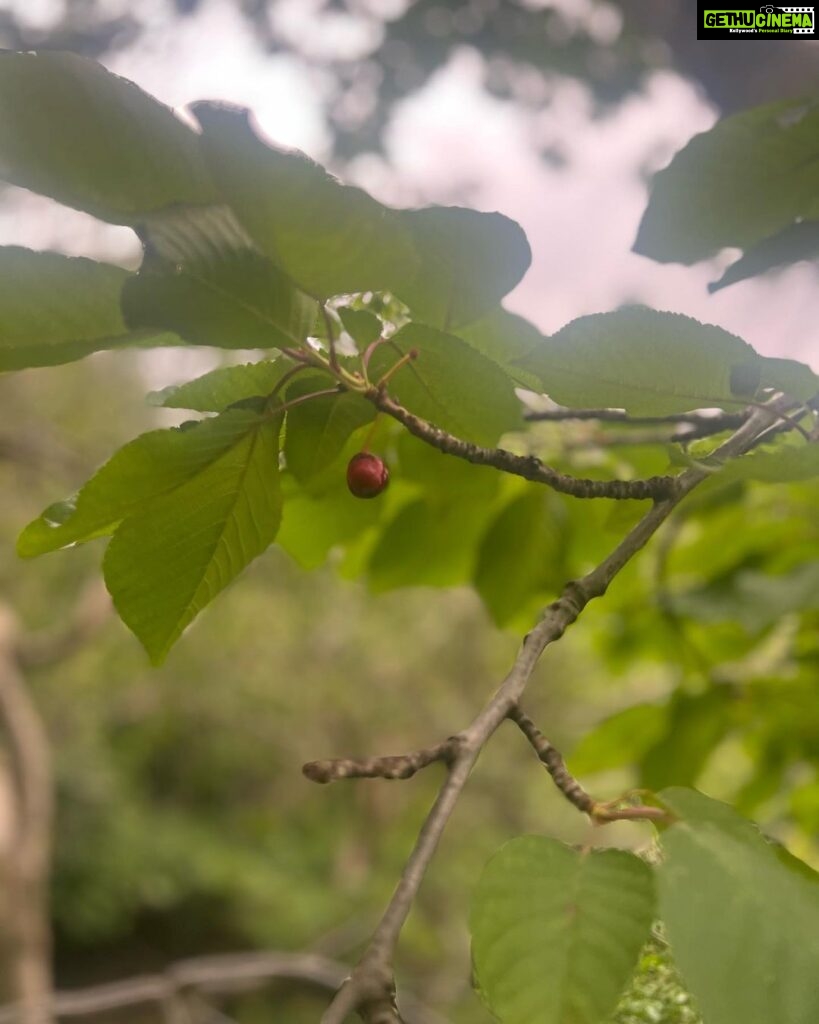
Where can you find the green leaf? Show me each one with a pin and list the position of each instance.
(756, 600)
(169, 560)
(442, 477)
(211, 289)
(743, 925)
(619, 740)
(328, 237)
(784, 464)
(555, 933)
(215, 391)
(54, 309)
(450, 384)
(795, 243)
(429, 543)
(522, 554)
(694, 725)
(71, 130)
(450, 265)
(505, 338)
(363, 326)
(318, 429)
(751, 176)
(147, 467)
(467, 262)
(794, 378)
(646, 362)
(312, 527)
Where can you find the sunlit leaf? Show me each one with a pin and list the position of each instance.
(71, 130)
(169, 560)
(313, 526)
(450, 384)
(318, 429)
(793, 462)
(428, 543)
(646, 362)
(362, 326)
(751, 176)
(215, 391)
(203, 281)
(55, 309)
(328, 237)
(505, 338)
(467, 262)
(521, 554)
(144, 469)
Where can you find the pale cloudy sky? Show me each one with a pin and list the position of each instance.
(455, 143)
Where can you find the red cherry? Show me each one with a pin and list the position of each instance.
(367, 475)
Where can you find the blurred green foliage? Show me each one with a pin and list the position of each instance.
(184, 823)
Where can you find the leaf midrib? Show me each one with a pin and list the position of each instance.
(175, 632)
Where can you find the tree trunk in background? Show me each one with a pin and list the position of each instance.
(26, 859)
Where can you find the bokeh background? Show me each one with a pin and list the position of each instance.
(184, 826)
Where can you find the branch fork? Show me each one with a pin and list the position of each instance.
(370, 987)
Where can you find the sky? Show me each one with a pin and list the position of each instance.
(454, 143)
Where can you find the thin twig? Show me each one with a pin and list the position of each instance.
(299, 354)
(599, 811)
(232, 973)
(683, 434)
(396, 766)
(286, 378)
(553, 761)
(301, 399)
(527, 466)
(714, 423)
(371, 982)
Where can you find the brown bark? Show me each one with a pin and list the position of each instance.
(27, 861)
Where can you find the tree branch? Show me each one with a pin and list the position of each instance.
(527, 466)
(27, 861)
(704, 423)
(396, 766)
(371, 984)
(26, 866)
(553, 762)
(208, 975)
(551, 758)
(93, 609)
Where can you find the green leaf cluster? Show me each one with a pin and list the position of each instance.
(557, 932)
(750, 182)
(249, 246)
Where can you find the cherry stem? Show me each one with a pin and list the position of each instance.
(368, 351)
(291, 373)
(305, 398)
(368, 440)
(408, 358)
(300, 355)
